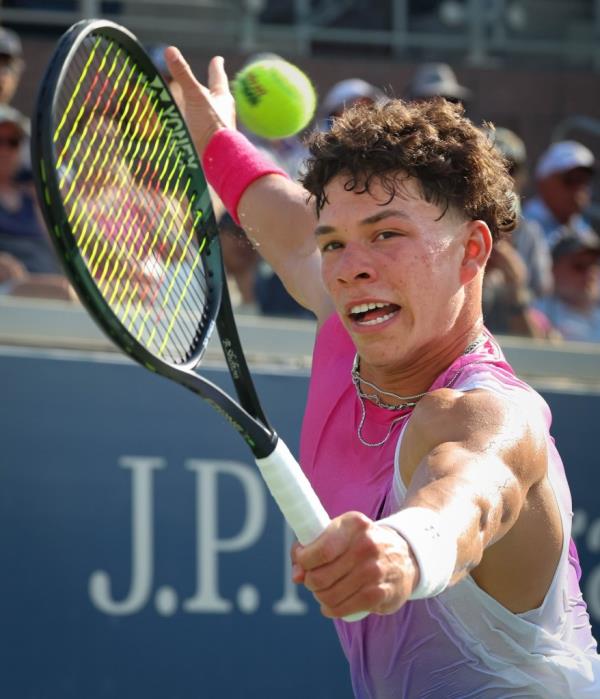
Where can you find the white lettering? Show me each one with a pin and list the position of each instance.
(209, 545)
(142, 543)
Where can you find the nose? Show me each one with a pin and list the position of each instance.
(355, 264)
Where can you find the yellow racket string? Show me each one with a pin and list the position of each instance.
(118, 181)
(177, 308)
(137, 231)
(92, 186)
(90, 149)
(75, 93)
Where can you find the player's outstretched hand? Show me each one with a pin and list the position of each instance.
(356, 565)
(207, 109)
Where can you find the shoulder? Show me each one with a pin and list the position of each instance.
(450, 412)
(480, 422)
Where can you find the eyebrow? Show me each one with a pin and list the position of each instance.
(375, 218)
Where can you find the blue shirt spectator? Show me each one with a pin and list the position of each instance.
(573, 308)
(563, 177)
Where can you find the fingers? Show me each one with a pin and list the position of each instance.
(356, 565)
(334, 541)
(207, 109)
(180, 69)
(297, 570)
(352, 584)
(337, 586)
(218, 82)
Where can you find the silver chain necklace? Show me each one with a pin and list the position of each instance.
(405, 401)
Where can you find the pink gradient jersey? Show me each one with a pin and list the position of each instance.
(461, 644)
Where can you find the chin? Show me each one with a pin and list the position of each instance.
(382, 351)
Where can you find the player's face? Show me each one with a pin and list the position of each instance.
(395, 271)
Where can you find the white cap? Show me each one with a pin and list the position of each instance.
(346, 92)
(562, 157)
(436, 80)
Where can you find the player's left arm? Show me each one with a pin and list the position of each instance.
(470, 461)
(473, 458)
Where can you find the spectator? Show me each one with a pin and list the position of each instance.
(518, 268)
(573, 307)
(240, 260)
(11, 64)
(11, 70)
(507, 302)
(28, 266)
(22, 231)
(437, 80)
(346, 93)
(15, 280)
(563, 178)
(528, 237)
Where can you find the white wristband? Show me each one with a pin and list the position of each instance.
(432, 546)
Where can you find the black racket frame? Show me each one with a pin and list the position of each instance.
(247, 417)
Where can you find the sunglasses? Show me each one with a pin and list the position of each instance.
(583, 267)
(576, 178)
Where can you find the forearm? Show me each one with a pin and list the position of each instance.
(277, 219)
(271, 208)
(467, 514)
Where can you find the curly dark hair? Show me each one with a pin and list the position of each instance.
(455, 163)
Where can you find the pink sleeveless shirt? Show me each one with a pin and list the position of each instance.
(462, 643)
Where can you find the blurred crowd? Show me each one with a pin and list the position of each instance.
(543, 282)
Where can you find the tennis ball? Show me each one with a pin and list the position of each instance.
(273, 98)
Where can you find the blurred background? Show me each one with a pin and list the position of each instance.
(139, 552)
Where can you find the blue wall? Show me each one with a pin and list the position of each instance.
(140, 554)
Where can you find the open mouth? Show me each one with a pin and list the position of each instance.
(373, 313)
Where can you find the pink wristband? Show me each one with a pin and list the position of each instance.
(231, 164)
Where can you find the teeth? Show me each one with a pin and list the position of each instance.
(364, 307)
(375, 321)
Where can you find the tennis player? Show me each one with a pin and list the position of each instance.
(451, 509)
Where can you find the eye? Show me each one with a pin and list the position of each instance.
(331, 245)
(384, 235)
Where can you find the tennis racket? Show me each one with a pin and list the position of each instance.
(129, 211)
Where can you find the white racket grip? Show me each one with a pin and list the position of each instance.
(293, 493)
(296, 498)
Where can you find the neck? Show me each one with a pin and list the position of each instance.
(411, 378)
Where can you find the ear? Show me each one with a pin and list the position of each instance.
(476, 251)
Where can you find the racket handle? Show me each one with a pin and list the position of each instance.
(296, 498)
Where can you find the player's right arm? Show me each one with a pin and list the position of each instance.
(273, 210)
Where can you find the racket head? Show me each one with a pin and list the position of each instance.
(124, 197)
